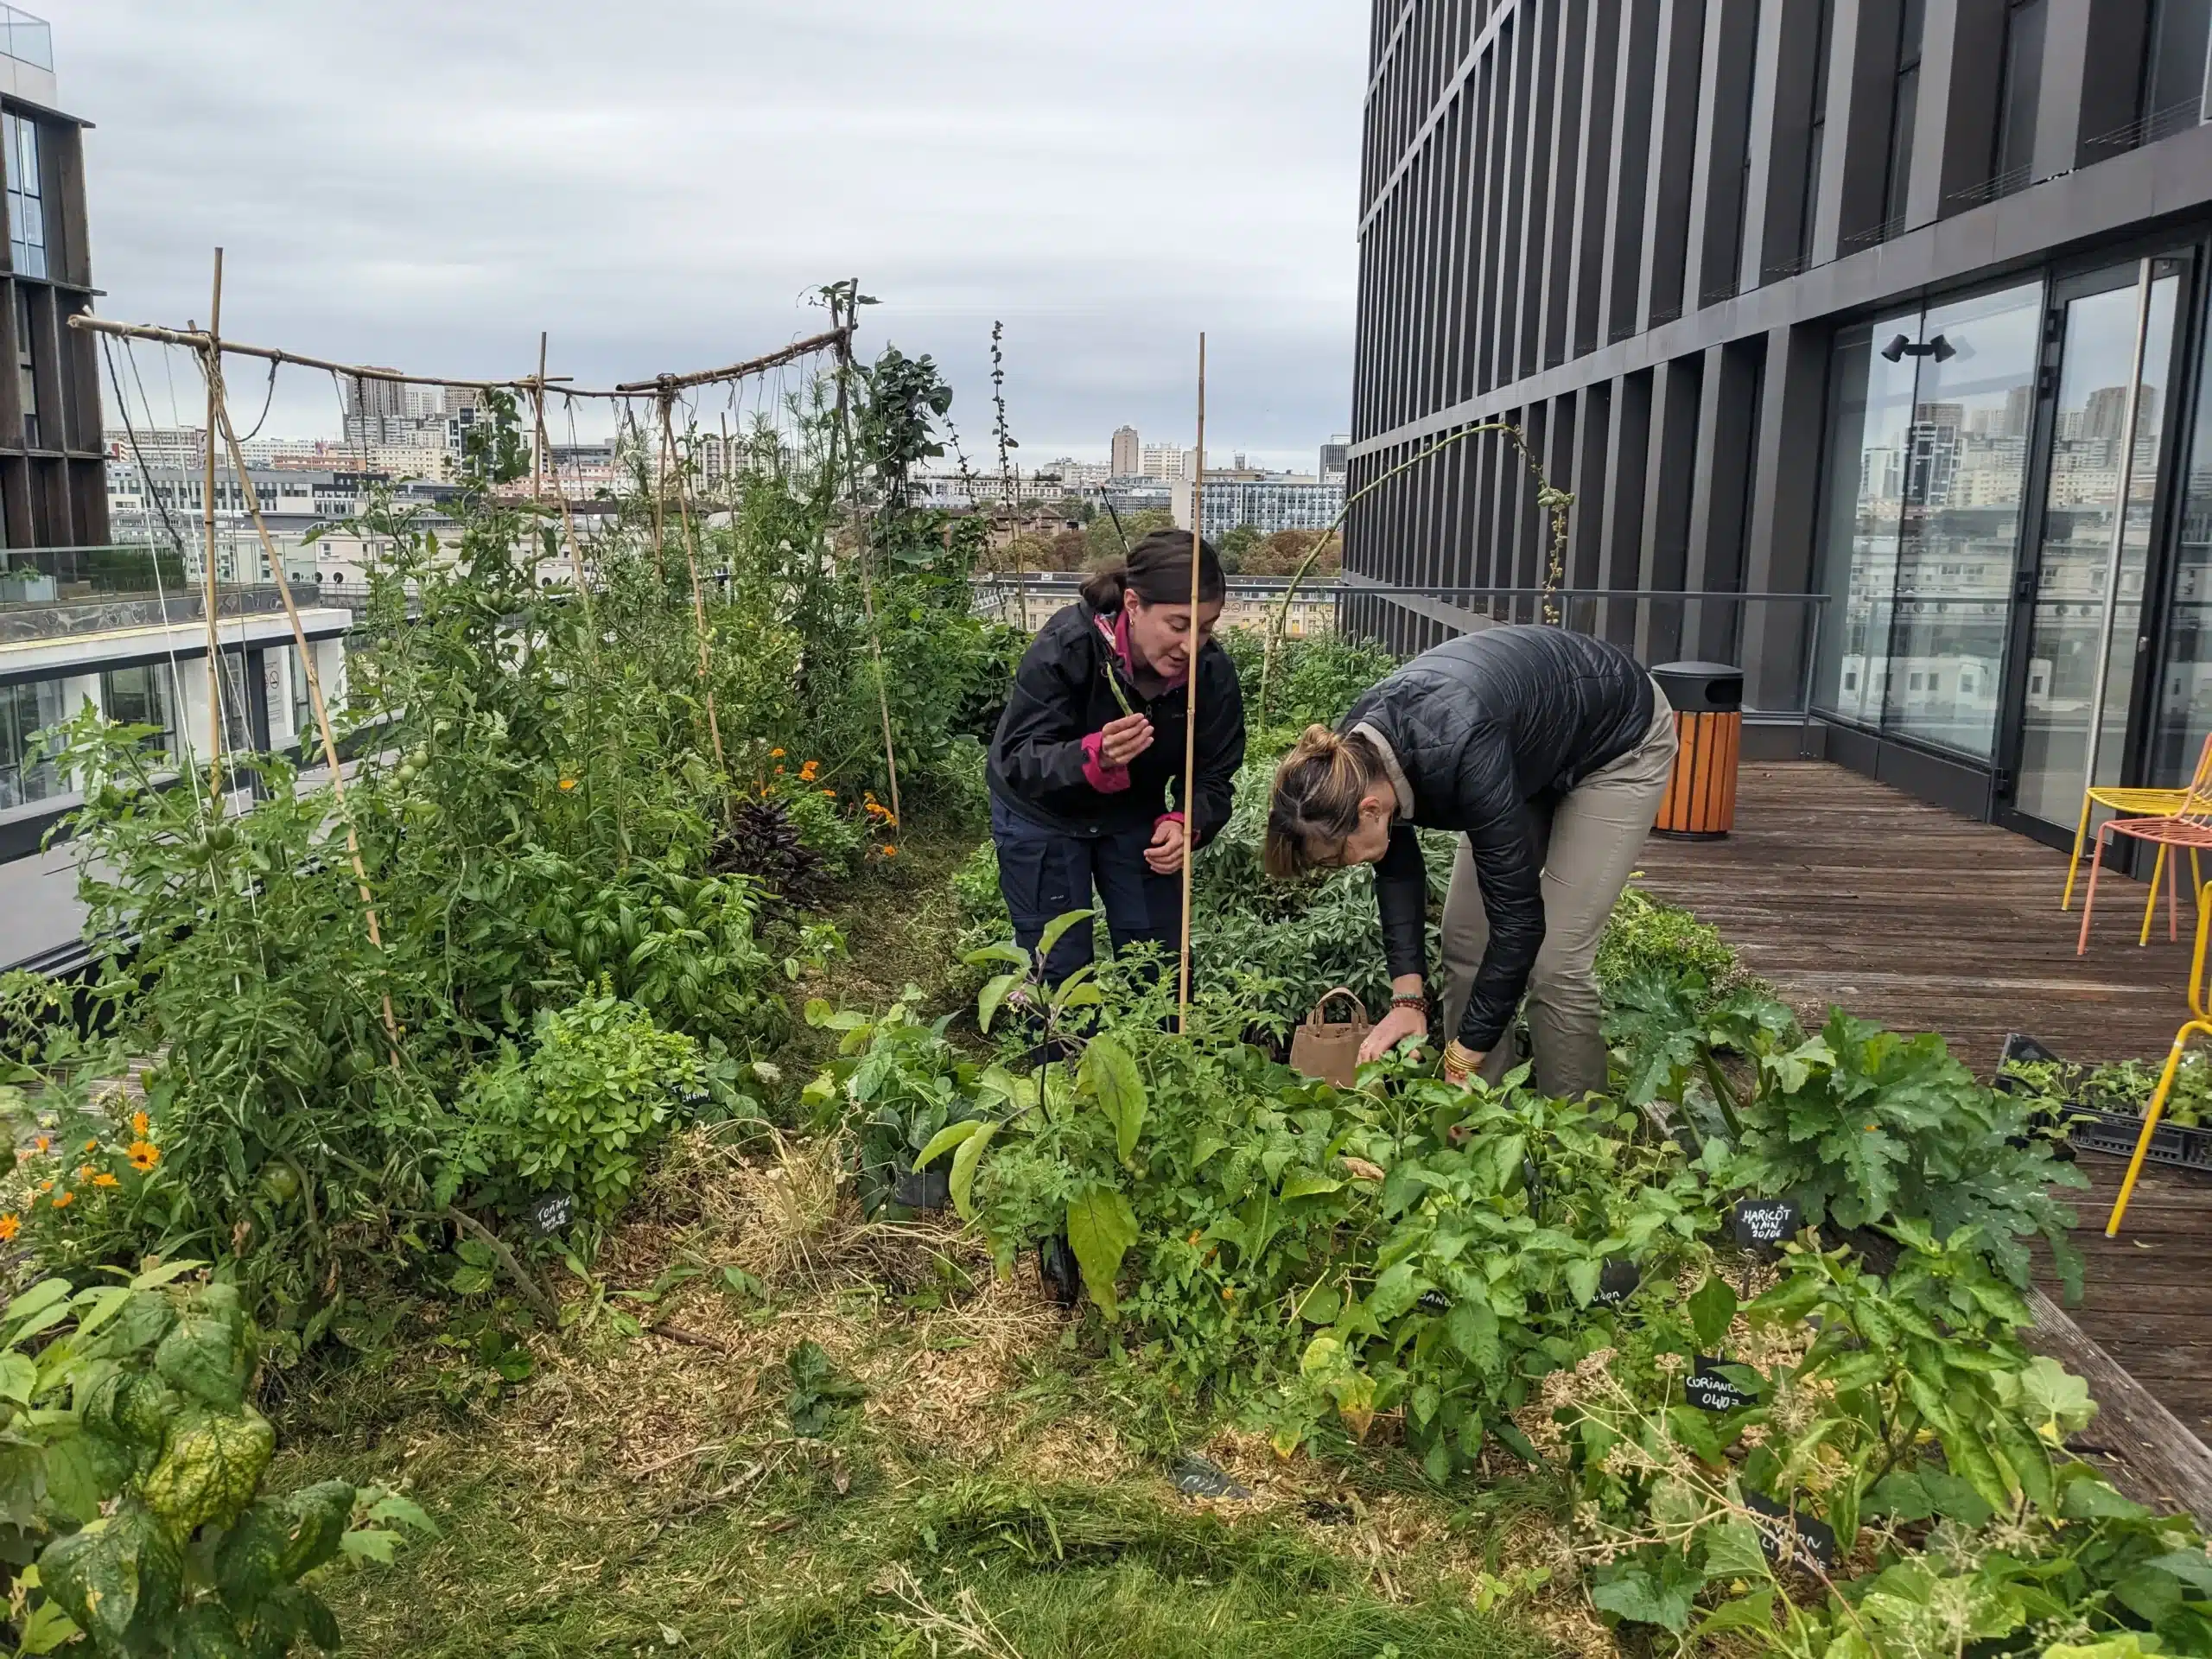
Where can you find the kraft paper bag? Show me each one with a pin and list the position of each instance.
(1329, 1049)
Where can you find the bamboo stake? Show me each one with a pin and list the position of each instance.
(1190, 710)
(199, 342)
(660, 498)
(207, 575)
(845, 368)
(698, 598)
(221, 415)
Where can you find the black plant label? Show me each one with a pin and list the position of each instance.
(1616, 1281)
(1789, 1538)
(1708, 1390)
(1763, 1222)
(551, 1212)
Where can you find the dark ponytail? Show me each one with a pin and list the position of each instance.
(1159, 568)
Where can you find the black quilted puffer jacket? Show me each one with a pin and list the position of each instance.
(1489, 729)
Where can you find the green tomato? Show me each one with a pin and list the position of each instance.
(280, 1182)
(418, 757)
(406, 773)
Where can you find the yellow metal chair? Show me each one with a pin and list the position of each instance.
(2199, 1025)
(2148, 802)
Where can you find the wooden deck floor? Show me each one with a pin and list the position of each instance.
(1839, 889)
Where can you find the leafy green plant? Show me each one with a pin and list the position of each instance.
(602, 1086)
(1860, 1126)
(896, 1083)
(821, 1393)
(2122, 1087)
(134, 1479)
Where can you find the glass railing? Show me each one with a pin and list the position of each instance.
(27, 39)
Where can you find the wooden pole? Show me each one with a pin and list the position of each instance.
(699, 597)
(845, 367)
(199, 342)
(1190, 709)
(207, 572)
(219, 416)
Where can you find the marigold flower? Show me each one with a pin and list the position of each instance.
(44, 1143)
(10, 1224)
(144, 1155)
(84, 1171)
(139, 1124)
(779, 772)
(45, 1186)
(829, 794)
(888, 852)
(104, 1179)
(64, 1199)
(91, 1146)
(567, 783)
(776, 754)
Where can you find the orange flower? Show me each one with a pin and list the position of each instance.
(567, 783)
(779, 772)
(10, 1224)
(105, 1179)
(84, 1171)
(888, 852)
(64, 1199)
(830, 794)
(45, 1186)
(139, 1124)
(144, 1155)
(91, 1146)
(807, 771)
(44, 1143)
(776, 754)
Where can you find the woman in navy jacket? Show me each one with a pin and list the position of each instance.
(1085, 770)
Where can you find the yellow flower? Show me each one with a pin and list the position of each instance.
(64, 1199)
(10, 1224)
(830, 793)
(776, 754)
(567, 783)
(105, 1179)
(45, 1186)
(139, 1124)
(84, 1171)
(91, 1146)
(144, 1155)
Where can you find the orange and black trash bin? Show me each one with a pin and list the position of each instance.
(1708, 703)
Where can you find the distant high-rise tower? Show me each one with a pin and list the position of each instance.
(1334, 455)
(1128, 454)
(1164, 461)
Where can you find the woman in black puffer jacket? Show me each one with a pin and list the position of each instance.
(1549, 752)
(1086, 768)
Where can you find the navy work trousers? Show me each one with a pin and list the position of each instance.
(1045, 872)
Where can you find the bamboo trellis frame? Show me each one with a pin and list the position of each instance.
(211, 348)
(1190, 712)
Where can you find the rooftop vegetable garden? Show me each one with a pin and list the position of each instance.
(663, 1236)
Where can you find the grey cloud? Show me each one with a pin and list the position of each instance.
(660, 185)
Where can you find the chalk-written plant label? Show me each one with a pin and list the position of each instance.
(1616, 1281)
(1789, 1538)
(551, 1212)
(1709, 1389)
(1435, 1302)
(1764, 1221)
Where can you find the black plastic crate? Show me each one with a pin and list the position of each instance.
(2090, 1130)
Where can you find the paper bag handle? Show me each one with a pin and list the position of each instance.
(1314, 1018)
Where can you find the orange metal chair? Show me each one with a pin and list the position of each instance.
(2199, 1025)
(2153, 802)
(2190, 829)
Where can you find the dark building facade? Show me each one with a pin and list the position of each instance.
(1893, 311)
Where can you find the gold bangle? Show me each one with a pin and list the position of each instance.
(1459, 1059)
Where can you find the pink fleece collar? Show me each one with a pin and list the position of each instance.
(1117, 636)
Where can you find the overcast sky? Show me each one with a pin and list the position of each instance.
(429, 182)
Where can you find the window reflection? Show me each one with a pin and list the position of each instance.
(2184, 695)
(1926, 471)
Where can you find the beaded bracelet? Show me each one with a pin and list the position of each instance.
(1410, 1000)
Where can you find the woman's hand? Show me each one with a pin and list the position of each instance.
(1164, 855)
(1121, 740)
(1391, 1030)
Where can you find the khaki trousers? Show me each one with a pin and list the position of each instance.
(1596, 836)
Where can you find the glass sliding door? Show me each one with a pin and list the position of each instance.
(2092, 554)
(1964, 463)
(2184, 696)
(1929, 422)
